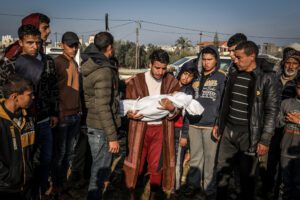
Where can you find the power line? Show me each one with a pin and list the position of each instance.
(120, 25)
(71, 18)
(168, 32)
(157, 24)
(221, 33)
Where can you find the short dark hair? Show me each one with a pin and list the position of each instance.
(209, 51)
(102, 40)
(44, 19)
(236, 39)
(16, 84)
(249, 48)
(28, 30)
(190, 67)
(160, 56)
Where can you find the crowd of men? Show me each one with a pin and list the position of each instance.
(57, 119)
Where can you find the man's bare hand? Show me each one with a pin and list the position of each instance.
(293, 118)
(215, 133)
(262, 149)
(182, 142)
(134, 115)
(114, 147)
(166, 104)
(53, 121)
(128, 79)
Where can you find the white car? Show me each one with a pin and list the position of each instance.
(176, 66)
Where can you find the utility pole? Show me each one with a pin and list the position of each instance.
(200, 42)
(106, 22)
(137, 45)
(55, 39)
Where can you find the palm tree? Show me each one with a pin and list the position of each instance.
(183, 43)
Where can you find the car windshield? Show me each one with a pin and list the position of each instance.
(179, 62)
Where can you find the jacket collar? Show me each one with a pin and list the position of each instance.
(4, 115)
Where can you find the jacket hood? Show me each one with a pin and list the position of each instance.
(93, 59)
(200, 67)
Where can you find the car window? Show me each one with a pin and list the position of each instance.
(179, 62)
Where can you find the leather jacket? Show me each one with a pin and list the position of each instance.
(264, 101)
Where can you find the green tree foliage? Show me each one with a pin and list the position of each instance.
(183, 43)
(125, 53)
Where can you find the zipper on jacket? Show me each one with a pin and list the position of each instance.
(14, 140)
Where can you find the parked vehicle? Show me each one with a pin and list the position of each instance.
(176, 66)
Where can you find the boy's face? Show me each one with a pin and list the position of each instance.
(298, 89)
(71, 50)
(209, 62)
(186, 78)
(25, 99)
(30, 44)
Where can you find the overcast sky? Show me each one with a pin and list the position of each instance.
(263, 19)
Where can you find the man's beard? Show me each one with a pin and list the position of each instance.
(290, 73)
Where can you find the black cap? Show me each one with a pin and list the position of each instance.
(70, 38)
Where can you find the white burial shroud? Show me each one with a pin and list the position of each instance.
(148, 106)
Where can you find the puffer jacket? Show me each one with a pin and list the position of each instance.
(100, 84)
(263, 105)
(17, 152)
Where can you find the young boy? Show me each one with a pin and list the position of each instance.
(17, 137)
(185, 77)
(289, 117)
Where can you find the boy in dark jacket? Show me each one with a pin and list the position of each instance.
(289, 117)
(16, 139)
(185, 78)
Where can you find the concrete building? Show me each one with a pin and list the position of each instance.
(6, 40)
(269, 48)
(91, 39)
(222, 47)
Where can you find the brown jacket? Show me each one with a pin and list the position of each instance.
(68, 85)
(137, 88)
